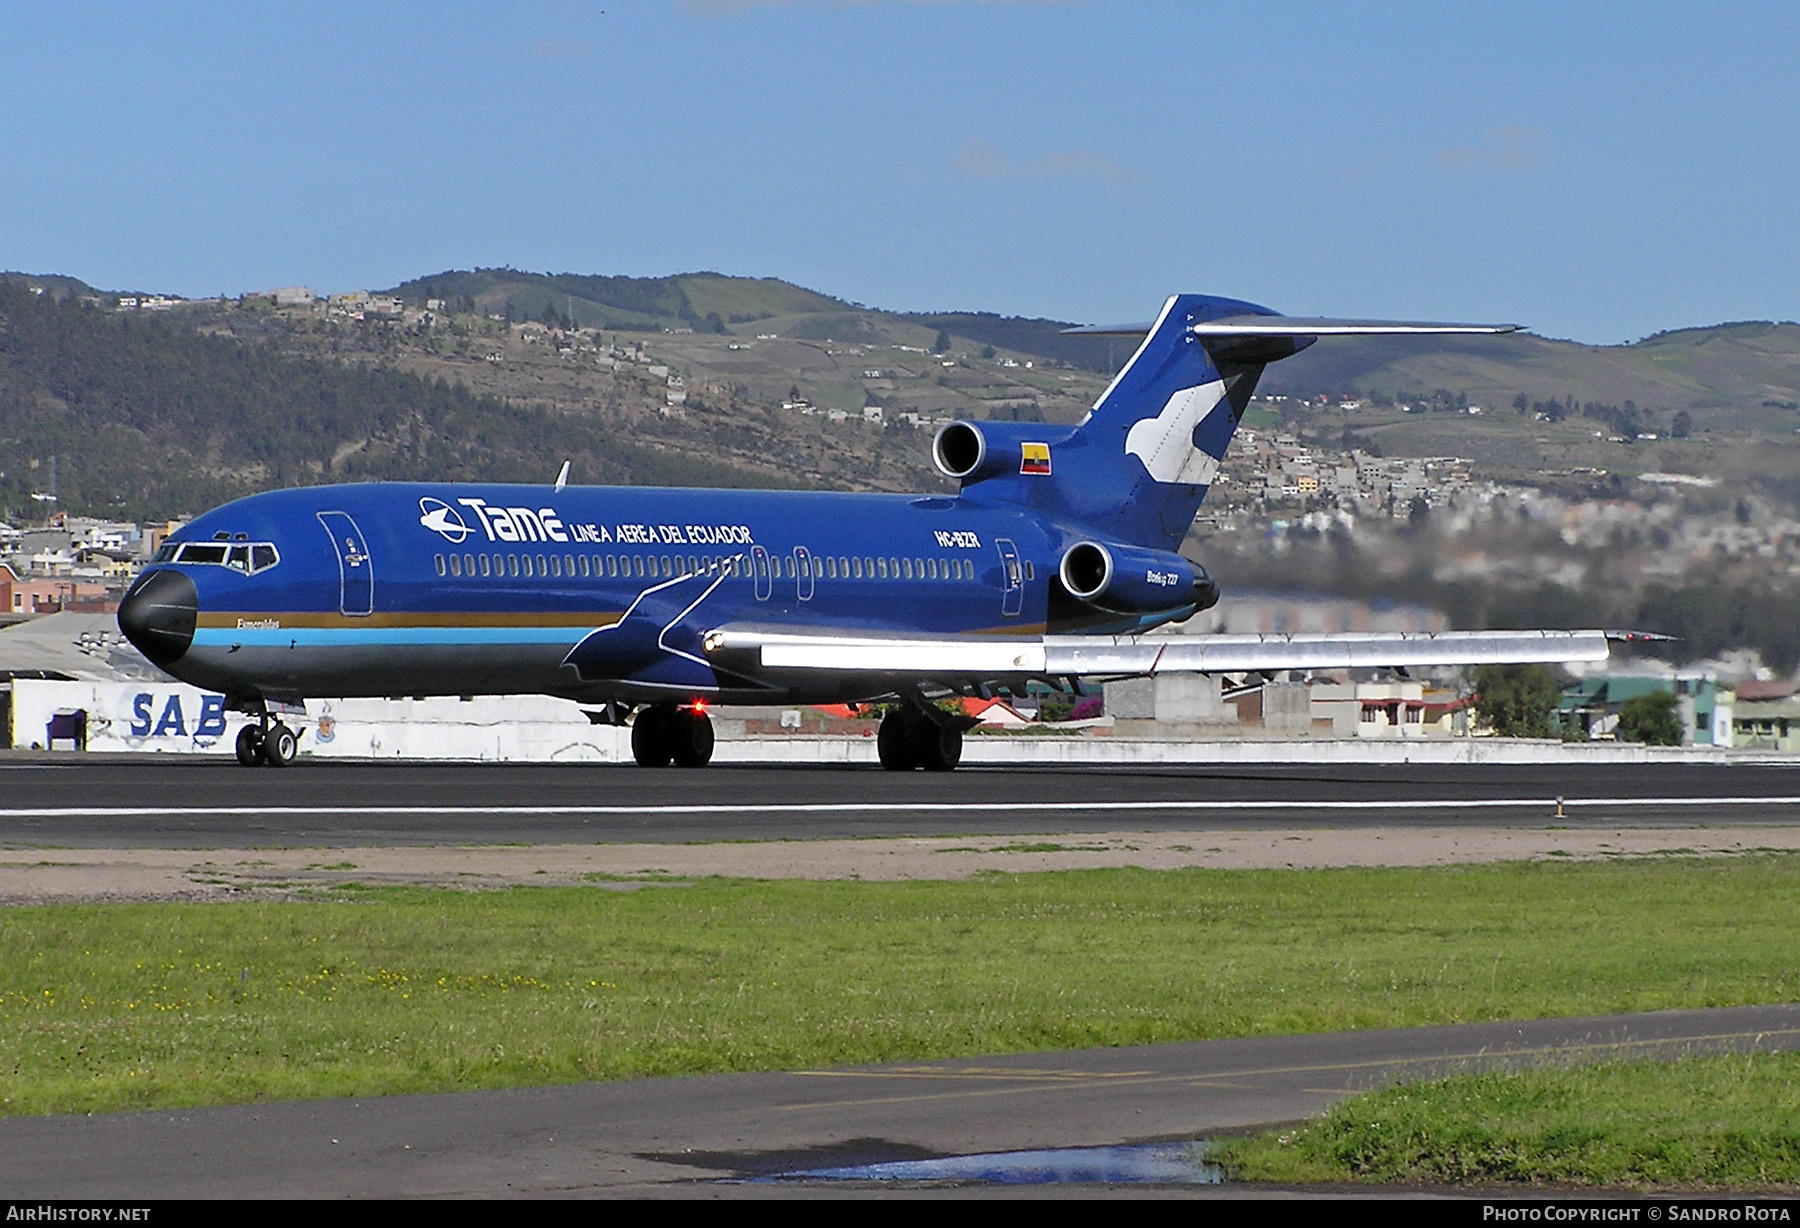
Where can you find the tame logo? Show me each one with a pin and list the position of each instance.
(440, 517)
(517, 524)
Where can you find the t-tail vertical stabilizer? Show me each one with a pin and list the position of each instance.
(1142, 460)
(1138, 466)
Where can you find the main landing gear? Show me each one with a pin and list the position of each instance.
(267, 742)
(915, 734)
(662, 734)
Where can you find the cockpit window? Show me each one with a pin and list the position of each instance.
(204, 552)
(247, 557)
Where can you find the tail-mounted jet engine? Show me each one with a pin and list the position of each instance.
(972, 452)
(1133, 580)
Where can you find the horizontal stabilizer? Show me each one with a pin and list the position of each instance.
(1327, 326)
(1109, 330)
(756, 650)
(1302, 326)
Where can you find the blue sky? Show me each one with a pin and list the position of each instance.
(1594, 171)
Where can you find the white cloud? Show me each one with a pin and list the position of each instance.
(726, 8)
(1509, 148)
(984, 160)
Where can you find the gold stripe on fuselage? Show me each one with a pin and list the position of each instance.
(1009, 630)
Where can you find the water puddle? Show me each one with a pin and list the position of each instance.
(1149, 1163)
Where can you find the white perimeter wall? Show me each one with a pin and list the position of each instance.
(173, 718)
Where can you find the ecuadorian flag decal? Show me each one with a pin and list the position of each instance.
(1034, 459)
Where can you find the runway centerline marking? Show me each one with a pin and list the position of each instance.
(963, 807)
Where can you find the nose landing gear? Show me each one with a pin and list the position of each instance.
(662, 734)
(269, 743)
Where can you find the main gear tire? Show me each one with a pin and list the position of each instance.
(938, 747)
(894, 743)
(691, 741)
(651, 740)
(249, 746)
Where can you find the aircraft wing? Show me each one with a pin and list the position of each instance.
(760, 652)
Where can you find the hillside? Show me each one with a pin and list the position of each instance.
(150, 417)
(716, 303)
(691, 300)
(1739, 377)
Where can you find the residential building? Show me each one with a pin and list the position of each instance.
(1704, 709)
(1766, 715)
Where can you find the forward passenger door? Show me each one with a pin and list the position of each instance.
(356, 570)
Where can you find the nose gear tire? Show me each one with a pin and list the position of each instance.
(280, 747)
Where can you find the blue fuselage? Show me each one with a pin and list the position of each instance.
(592, 593)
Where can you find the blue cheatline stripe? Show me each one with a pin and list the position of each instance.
(313, 637)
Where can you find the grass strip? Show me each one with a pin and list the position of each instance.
(372, 991)
(1727, 1122)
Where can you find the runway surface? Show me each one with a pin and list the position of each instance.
(708, 1134)
(146, 802)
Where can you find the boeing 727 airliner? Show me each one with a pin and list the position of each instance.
(653, 604)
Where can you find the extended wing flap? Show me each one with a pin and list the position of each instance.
(759, 651)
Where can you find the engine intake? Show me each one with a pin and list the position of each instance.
(959, 450)
(1133, 580)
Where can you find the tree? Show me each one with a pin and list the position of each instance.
(1650, 719)
(1683, 426)
(942, 343)
(1517, 701)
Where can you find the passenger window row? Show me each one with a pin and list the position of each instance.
(841, 568)
(667, 567)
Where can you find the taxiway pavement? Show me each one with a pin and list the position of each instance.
(712, 1133)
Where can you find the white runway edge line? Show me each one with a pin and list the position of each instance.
(127, 812)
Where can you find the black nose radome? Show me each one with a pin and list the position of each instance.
(158, 615)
